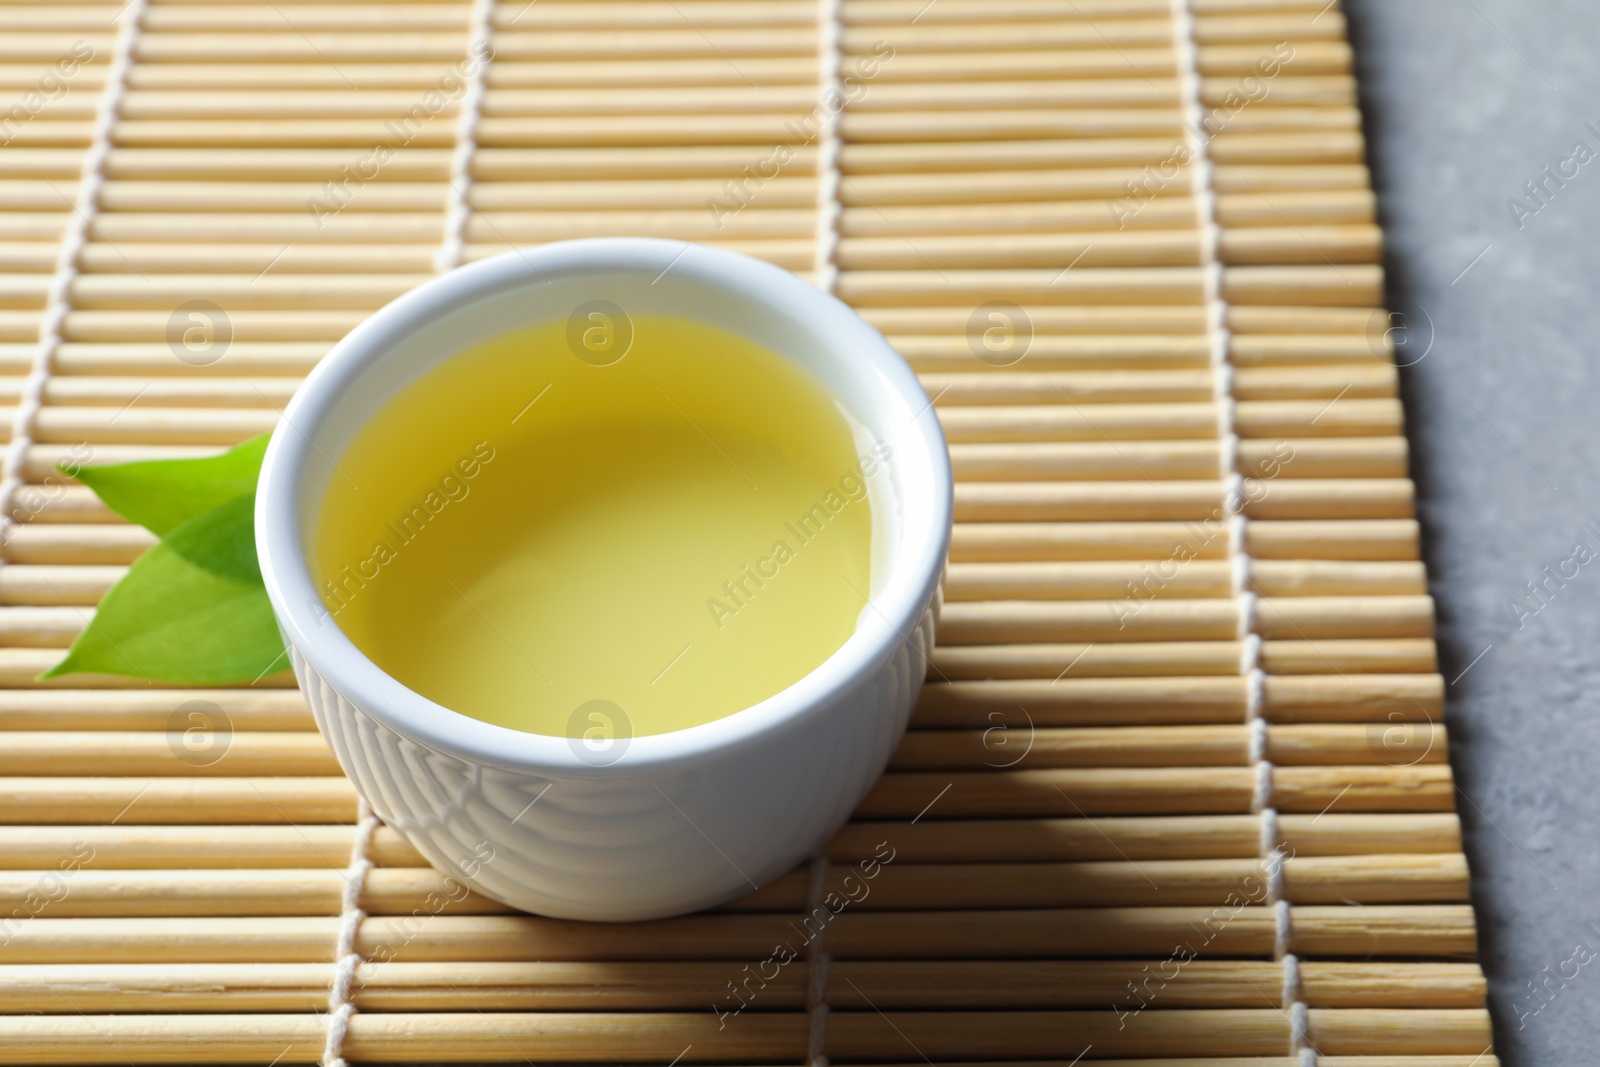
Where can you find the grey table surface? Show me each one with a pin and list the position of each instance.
(1467, 101)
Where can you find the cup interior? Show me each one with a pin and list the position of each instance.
(881, 398)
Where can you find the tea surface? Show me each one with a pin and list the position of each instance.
(680, 533)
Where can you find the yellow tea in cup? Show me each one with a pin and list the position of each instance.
(654, 513)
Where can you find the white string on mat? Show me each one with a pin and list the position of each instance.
(825, 271)
(453, 249)
(346, 957)
(817, 960)
(58, 297)
(1271, 852)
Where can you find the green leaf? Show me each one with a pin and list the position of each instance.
(192, 609)
(162, 494)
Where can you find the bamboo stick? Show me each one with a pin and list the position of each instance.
(1326, 90)
(997, 705)
(1389, 698)
(1080, 702)
(1377, 879)
(1401, 1032)
(697, 224)
(297, 1038)
(43, 586)
(792, 255)
(420, 77)
(1439, 931)
(1253, 177)
(1331, 286)
(917, 65)
(646, 1037)
(172, 392)
(1134, 619)
(28, 162)
(1160, 1033)
(96, 292)
(92, 892)
(863, 12)
(1204, 578)
(935, 353)
(125, 847)
(1136, 422)
(1124, 422)
(1344, 335)
(210, 426)
(1300, 244)
(1006, 35)
(1320, 499)
(242, 359)
(1049, 216)
(156, 104)
(1397, 656)
(406, 209)
(1164, 323)
(135, 847)
(30, 627)
(1008, 706)
(1291, 351)
(249, 326)
(1383, 539)
(241, 259)
(64, 710)
(355, 135)
(1076, 387)
(1325, 147)
(139, 753)
(46, 497)
(45, 543)
(923, 127)
(1347, 286)
(1131, 249)
(20, 667)
(1137, 838)
(1413, 656)
(1422, 787)
(346, 17)
(759, 131)
(1092, 185)
(1361, 322)
(1099, 387)
(1035, 461)
(531, 986)
(1321, 207)
(678, 41)
(436, 938)
(1018, 95)
(1160, 791)
(421, 164)
(1008, 740)
(140, 801)
(1378, 379)
(85, 585)
(980, 159)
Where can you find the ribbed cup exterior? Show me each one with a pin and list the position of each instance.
(621, 844)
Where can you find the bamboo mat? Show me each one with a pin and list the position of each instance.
(1177, 792)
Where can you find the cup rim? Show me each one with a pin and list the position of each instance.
(915, 569)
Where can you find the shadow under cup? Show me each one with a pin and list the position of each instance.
(675, 821)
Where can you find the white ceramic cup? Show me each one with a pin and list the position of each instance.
(665, 823)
